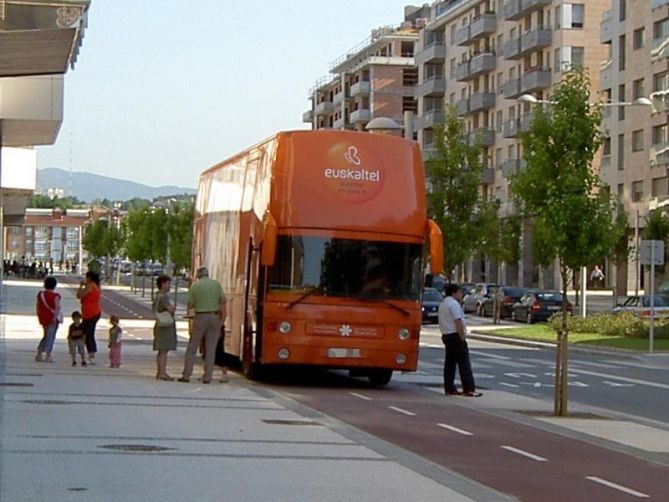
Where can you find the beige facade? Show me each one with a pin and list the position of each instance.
(480, 56)
(635, 156)
(374, 79)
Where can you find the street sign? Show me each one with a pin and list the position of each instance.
(651, 250)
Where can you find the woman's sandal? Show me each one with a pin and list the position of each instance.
(167, 378)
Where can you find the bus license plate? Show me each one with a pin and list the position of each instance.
(339, 353)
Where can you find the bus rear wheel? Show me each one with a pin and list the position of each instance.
(379, 377)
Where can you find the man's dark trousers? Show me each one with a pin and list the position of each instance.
(457, 353)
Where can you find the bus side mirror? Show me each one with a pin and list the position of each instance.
(269, 242)
(436, 241)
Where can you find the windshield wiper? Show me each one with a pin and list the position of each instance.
(315, 289)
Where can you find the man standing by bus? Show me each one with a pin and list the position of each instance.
(207, 300)
(454, 333)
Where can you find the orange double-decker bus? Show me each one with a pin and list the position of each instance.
(320, 240)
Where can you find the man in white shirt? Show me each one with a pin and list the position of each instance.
(454, 334)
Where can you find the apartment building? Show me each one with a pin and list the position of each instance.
(48, 234)
(480, 56)
(635, 156)
(374, 79)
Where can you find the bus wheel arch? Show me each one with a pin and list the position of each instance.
(379, 376)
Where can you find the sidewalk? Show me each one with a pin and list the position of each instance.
(102, 434)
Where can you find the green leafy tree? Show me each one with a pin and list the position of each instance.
(454, 176)
(571, 215)
(621, 247)
(181, 235)
(657, 228)
(102, 239)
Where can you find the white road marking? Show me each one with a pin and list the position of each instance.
(431, 345)
(624, 379)
(520, 375)
(484, 376)
(599, 365)
(400, 410)
(456, 429)
(616, 384)
(509, 385)
(524, 453)
(361, 396)
(485, 354)
(578, 384)
(615, 486)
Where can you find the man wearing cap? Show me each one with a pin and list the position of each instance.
(207, 300)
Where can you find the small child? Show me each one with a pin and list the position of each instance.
(76, 341)
(114, 342)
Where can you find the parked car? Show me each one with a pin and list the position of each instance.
(431, 300)
(640, 306)
(509, 296)
(538, 306)
(473, 302)
(466, 288)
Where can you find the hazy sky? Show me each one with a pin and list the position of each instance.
(163, 89)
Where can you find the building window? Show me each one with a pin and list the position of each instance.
(621, 152)
(577, 55)
(409, 76)
(661, 29)
(639, 38)
(622, 9)
(661, 81)
(577, 15)
(606, 147)
(407, 49)
(638, 89)
(621, 53)
(660, 187)
(637, 140)
(621, 97)
(621, 191)
(637, 191)
(660, 134)
(409, 104)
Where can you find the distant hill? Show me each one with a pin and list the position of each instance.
(88, 187)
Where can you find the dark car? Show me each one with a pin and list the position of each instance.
(508, 296)
(538, 306)
(473, 301)
(431, 300)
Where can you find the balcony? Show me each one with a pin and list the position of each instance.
(361, 88)
(429, 151)
(488, 176)
(535, 80)
(606, 74)
(512, 49)
(660, 48)
(481, 137)
(484, 25)
(432, 87)
(517, 9)
(659, 154)
(339, 98)
(606, 27)
(535, 40)
(434, 53)
(361, 115)
(656, 4)
(429, 119)
(462, 106)
(478, 65)
(324, 108)
(511, 167)
(511, 128)
(605, 163)
(481, 101)
(308, 116)
(339, 123)
(511, 89)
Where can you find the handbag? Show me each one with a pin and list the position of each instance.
(164, 318)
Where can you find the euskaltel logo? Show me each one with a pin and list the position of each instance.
(352, 173)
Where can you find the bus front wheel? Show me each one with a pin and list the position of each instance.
(379, 377)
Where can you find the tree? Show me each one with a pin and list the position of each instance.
(621, 248)
(181, 234)
(454, 176)
(657, 228)
(558, 191)
(102, 239)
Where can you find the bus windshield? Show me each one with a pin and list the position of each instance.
(374, 270)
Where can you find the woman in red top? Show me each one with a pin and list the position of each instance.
(49, 316)
(89, 295)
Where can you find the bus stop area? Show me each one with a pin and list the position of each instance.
(97, 433)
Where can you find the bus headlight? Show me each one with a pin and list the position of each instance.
(285, 327)
(283, 353)
(403, 334)
(401, 359)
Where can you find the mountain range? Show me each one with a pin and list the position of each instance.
(88, 186)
